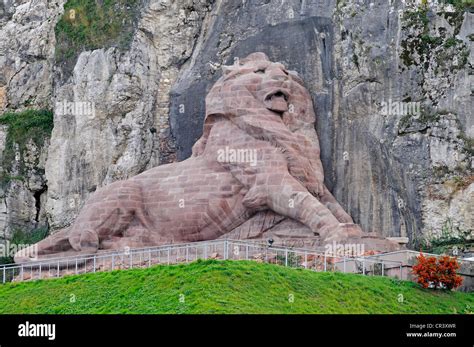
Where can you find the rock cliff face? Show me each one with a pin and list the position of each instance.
(390, 82)
(26, 80)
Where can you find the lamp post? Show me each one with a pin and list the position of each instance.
(269, 244)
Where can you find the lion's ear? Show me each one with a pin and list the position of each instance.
(296, 76)
(227, 70)
(199, 147)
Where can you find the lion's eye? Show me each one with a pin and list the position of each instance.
(260, 71)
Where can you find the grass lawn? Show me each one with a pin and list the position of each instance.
(227, 287)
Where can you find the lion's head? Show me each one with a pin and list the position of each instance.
(264, 97)
(255, 84)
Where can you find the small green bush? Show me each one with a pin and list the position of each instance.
(22, 237)
(29, 125)
(452, 239)
(90, 24)
(425, 45)
(460, 4)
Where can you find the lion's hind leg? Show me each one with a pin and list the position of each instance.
(107, 215)
(86, 236)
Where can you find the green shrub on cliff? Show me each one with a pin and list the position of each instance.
(23, 237)
(91, 24)
(23, 127)
(460, 4)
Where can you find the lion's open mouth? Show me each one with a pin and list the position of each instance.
(277, 101)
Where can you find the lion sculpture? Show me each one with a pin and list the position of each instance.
(259, 152)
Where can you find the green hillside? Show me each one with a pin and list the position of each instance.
(227, 287)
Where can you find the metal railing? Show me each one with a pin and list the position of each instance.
(188, 252)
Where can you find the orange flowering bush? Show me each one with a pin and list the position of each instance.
(437, 272)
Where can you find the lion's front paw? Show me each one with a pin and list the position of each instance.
(256, 198)
(343, 232)
(316, 189)
(89, 241)
(350, 230)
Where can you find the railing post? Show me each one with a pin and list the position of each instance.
(40, 272)
(225, 250)
(401, 271)
(382, 268)
(131, 260)
(21, 273)
(187, 253)
(305, 259)
(363, 266)
(325, 266)
(168, 255)
(344, 264)
(286, 257)
(113, 261)
(247, 252)
(149, 258)
(58, 270)
(4, 275)
(93, 270)
(205, 250)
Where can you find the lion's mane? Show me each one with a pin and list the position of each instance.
(293, 133)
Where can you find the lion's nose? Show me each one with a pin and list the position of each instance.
(281, 78)
(277, 72)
